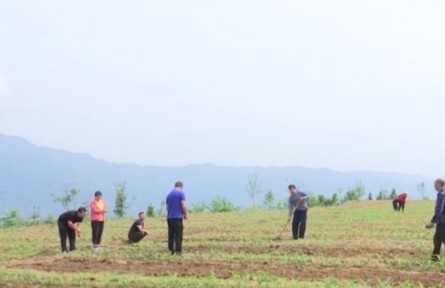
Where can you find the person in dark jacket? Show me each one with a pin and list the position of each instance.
(69, 228)
(298, 212)
(438, 220)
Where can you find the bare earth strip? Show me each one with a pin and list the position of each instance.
(225, 270)
(320, 251)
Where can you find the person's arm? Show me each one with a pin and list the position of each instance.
(303, 198)
(105, 207)
(184, 209)
(75, 227)
(290, 210)
(141, 229)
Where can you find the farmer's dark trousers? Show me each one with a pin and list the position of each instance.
(175, 231)
(398, 205)
(299, 223)
(98, 229)
(64, 233)
(439, 238)
(137, 236)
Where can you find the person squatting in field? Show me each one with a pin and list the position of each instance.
(399, 203)
(176, 213)
(137, 231)
(438, 220)
(68, 224)
(98, 210)
(298, 211)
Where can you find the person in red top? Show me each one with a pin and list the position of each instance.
(98, 210)
(399, 203)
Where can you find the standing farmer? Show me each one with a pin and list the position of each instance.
(298, 209)
(399, 203)
(68, 224)
(438, 219)
(176, 212)
(98, 210)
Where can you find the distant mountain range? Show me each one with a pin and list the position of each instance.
(30, 175)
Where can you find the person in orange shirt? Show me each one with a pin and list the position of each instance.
(98, 210)
(399, 203)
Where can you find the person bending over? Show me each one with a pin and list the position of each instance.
(69, 228)
(399, 203)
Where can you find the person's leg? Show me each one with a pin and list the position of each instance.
(100, 231)
(72, 239)
(179, 235)
(303, 220)
(296, 225)
(63, 233)
(394, 204)
(439, 238)
(136, 237)
(402, 205)
(93, 232)
(170, 236)
(442, 236)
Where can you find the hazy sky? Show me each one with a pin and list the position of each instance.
(341, 84)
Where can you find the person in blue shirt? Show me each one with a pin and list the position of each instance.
(298, 211)
(438, 220)
(176, 213)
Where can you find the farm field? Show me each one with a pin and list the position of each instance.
(362, 244)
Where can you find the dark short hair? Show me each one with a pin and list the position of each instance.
(98, 193)
(140, 213)
(179, 184)
(82, 209)
(441, 182)
(292, 186)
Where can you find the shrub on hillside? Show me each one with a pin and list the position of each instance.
(197, 208)
(221, 204)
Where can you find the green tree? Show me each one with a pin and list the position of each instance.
(421, 188)
(393, 194)
(314, 201)
(13, 219)
(283, 204)
(35, 216)
(370, 196)
(355, 193)
(383, 194)
(162, 209)
(253, 187)
(320, 200)
(221, 204)
(67, 200)
(333, 201)
(150, 211)
(120, 205)
(269, 200)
